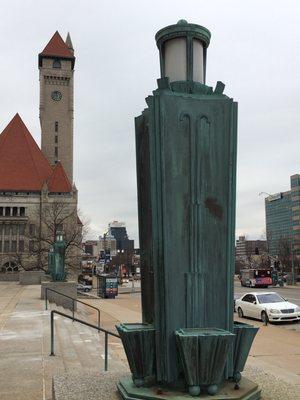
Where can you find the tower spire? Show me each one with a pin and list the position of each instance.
(69, 43)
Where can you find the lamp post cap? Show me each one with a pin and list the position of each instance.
(181, 29)
(182, 22)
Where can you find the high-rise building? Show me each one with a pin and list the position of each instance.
(118, 231)
(108, 244)
(56, 65)
(283, 218)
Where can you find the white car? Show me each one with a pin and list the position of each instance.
(84, 288)
(267, 306)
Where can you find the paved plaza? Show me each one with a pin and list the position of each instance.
(26, 369)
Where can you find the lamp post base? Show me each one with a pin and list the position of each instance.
(248, 391)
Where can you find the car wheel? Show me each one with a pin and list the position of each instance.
(264, 317)
(240, 312)
(86, 290)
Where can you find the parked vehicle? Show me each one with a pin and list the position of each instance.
(83, 288)
(235, 297)
(256, 277)
(267, 306)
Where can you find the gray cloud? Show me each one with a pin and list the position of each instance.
(254, 51)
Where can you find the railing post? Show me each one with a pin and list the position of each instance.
(73, 309)
(106, 352)
(99, 319)
(52, 333)
(46, 293)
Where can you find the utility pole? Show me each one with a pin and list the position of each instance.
(293, 265)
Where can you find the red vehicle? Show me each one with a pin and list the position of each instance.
(256, 277)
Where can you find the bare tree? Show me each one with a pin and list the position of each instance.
(284, 252)
(54, 217)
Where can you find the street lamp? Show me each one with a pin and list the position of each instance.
(186, 144)
(182, 49)
(268, 194)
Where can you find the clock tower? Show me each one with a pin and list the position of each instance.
(56, 66)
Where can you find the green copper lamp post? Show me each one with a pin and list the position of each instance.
(186, 146)
(56, 258)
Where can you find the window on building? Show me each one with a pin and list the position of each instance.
(22, 229)
(31, 245)
(0, 246)
(22, 211)
(21, 246)
(56, 139)
(6, 246)
(1, 230)
(56, 126)
(14, 246)
(15, 211)
(1, 211)
(6, 230)
(31, 229)
(56, 64)
(14, 229)
(56, 151)
(7, 211)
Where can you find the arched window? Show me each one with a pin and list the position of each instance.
(10, 266)
(56, 64)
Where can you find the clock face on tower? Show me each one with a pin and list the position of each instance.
(56, 95)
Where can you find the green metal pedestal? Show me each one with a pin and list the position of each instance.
(248, 391)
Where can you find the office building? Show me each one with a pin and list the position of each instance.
(247, 248)
(118, 231)
(283, 218)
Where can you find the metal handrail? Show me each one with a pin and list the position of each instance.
(106, 332)
(73, 303)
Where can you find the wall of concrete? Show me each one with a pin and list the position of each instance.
(9, 277)
(67, 288)
(32, 277)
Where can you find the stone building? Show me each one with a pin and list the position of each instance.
(108, 244)
(56, 66)
(246, 248)
(37, 194)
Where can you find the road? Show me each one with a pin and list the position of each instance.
(291, 294)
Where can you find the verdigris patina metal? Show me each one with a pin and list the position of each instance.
(50, 260)
(139, 344)
(186, 146)
(56, 259)
(203, 353)
(244, 336)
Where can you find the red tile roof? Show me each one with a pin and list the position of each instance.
(57, 48)
(23, 166)
(59, 182)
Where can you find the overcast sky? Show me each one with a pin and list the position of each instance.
(254, 50)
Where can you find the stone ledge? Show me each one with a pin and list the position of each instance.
(32, 277)
(67, 288)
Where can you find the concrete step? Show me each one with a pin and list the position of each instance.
(80, 346)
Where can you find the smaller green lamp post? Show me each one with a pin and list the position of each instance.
(56, 259)
(50, 260)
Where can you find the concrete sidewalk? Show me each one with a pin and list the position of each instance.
(26, 369)
(274, 360)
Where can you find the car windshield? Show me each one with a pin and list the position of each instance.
(269, 298)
